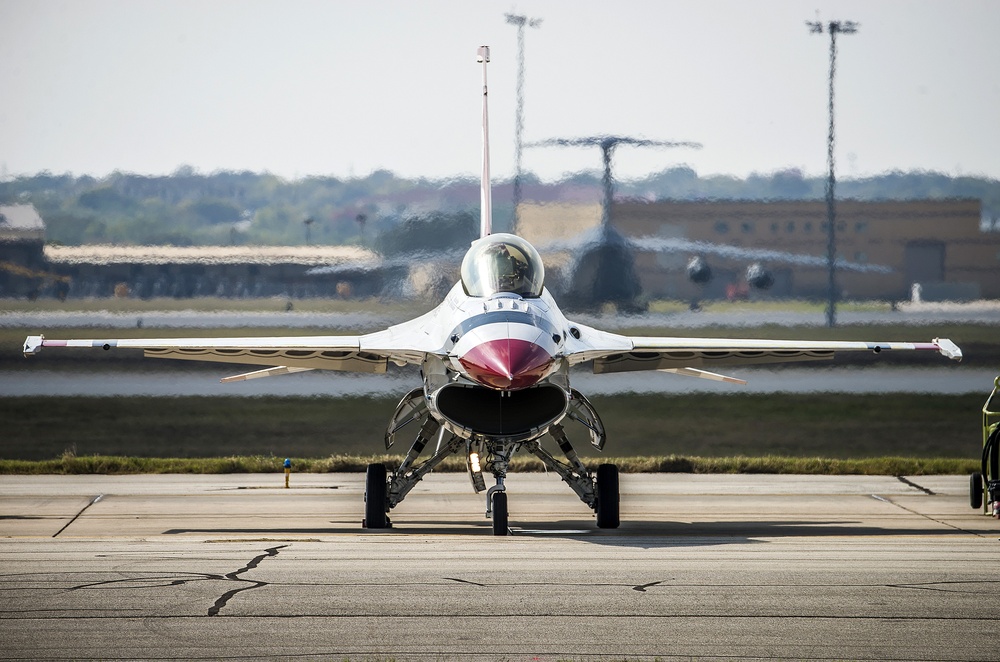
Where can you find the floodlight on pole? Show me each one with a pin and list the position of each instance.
(833, 28)
(520, 21)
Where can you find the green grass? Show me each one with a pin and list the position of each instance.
(70, 464)
(834, 426)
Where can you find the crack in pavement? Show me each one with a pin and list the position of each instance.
(465, 581)
(221, 603)
(174, 580)
(75, 517)
(907, 481)
(927, 517)
(949, 586)
(641, 588)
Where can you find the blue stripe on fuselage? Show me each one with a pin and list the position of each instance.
(499, 316)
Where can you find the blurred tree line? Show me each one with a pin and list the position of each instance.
(382, 210)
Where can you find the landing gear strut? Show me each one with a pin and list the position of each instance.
(384, 489)
(599, 492)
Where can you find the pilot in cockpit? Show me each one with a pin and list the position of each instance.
(511, 268)
(502, 263)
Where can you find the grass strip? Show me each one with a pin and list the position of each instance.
(817, 425)
(70, 464)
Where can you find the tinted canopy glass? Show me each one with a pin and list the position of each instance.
(502, 263)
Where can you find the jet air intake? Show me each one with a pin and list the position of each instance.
(514, 415)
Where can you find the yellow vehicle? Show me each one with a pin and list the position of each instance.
(984, 485)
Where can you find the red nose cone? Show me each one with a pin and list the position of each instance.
(507, 364)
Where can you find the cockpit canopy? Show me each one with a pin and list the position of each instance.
(502, 263)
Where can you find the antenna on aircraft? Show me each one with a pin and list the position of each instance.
(485, 195)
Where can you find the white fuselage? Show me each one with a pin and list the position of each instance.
(501, 373)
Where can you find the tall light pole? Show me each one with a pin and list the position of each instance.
(520, 21)
(833, 28)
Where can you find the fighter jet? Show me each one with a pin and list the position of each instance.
(495, 359)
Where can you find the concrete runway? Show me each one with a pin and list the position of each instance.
(236, 567)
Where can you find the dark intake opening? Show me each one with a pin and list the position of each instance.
(489, 412)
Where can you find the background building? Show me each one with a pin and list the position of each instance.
(937, 243)
(224, 271)
(23, 268)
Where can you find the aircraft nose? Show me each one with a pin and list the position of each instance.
(507, 364)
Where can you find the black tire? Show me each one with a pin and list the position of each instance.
(976, 490)
(608, 498)
(500, 527)
(375, 491)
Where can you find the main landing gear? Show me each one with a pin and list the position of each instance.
(376, 483)
(607, 506)
(385, 489)
(599, 490)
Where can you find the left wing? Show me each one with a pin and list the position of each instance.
(409, 342)
(315, 352)
(615, 353)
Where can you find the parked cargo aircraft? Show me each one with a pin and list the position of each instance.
(495, 359)
(602, 259)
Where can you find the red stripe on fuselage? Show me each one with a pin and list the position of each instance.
(507, 364)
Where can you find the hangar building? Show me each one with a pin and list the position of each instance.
(936, 243)
(224, 271)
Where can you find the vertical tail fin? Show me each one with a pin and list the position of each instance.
(486, 197)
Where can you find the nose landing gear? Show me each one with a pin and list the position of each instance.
(497, 504)
(496, 496)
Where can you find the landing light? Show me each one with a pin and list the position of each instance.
(474, 462)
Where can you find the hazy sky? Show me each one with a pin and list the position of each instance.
(299, 87)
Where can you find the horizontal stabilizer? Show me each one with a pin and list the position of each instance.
(268, 372)
(704, 374)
